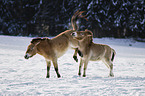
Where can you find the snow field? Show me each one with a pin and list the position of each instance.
(20, 77)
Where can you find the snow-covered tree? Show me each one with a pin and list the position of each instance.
(111, 18)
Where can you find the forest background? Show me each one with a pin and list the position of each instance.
(106, 18)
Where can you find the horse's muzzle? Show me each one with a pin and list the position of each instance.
(27, 56)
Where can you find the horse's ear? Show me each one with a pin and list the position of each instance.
(90, 38)
(89, 32)
(36, 40)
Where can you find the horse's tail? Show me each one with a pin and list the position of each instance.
(113, 54)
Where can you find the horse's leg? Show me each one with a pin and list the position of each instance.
(111, 70)
(56, 67)
(75, 55)
(48, 68)
(85, 67)
(80, 67)
(108, 62)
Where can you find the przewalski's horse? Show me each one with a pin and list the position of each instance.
(90, 51)
(93, 52)
(52, 49)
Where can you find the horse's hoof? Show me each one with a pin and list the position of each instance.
(84, 75)
(79, 74)
(58, 76)
(111, 75)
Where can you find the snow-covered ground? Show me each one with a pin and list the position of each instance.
(20, 77)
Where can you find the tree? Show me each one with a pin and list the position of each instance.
(106, 18)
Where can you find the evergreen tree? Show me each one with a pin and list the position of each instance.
(106, 18)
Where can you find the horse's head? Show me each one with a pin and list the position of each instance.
(32, 48)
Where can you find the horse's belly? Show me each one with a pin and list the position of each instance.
(61, 52)
(94, 58)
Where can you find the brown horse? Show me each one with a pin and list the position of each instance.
(88, 50)
(52, 49)
(93, 52)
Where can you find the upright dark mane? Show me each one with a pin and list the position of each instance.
(38, 39)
